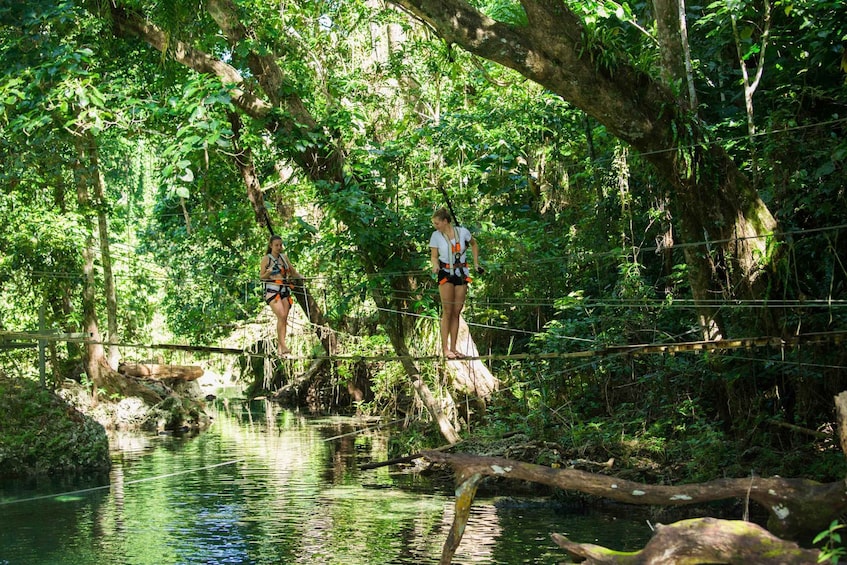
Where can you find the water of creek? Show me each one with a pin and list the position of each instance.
(266, 485)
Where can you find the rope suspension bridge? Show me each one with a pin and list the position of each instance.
(24, 339)
(10, 340)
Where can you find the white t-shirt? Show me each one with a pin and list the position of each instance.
(444, 245)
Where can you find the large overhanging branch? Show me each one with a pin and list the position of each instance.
(319, 164)
(264, 67)
(552, 51)
(131, 25)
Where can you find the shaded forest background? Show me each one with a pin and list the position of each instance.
(147, 148)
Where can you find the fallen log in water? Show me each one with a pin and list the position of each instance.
(700, 540)
(797, 508)
(158, 371)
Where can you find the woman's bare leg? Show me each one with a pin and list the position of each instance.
(459, 294)
(447, 292)
(280, 307)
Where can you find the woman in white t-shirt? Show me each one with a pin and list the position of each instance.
(448, 246)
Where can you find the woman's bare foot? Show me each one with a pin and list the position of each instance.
(458, 355)
(283, 351)
(449, 355)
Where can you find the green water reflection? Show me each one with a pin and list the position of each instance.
(267, 486)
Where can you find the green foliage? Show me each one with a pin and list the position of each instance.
(415, 438)
(505, 11)
(213, 265)
(833, 549)
(616, 34)
(203, 102)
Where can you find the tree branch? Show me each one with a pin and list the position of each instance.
(131, 25)
(795, 506)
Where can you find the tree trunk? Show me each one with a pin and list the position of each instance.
(673, 48)
(103, 379)
(96, 176)
(243, 158)
(471, 376)
(93, 356)
(749, 85)
(841, 410)
(424, 394)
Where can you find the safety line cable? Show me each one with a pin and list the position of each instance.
(472, 324)
(723, 141)
(789, 362)
(556, 259)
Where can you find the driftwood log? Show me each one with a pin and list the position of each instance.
(157, 371)
(797, 509)
(841, 410)
(701, 540)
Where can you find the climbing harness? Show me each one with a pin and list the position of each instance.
(279, 286)
(457, 269)
(456, 252)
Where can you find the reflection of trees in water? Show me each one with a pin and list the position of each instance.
(481, 533)
(267, 485)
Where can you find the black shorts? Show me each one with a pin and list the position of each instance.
(277, 292)
(445, 276)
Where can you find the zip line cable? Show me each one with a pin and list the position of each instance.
(555, 259)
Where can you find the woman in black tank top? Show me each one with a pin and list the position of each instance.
(276, 273)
